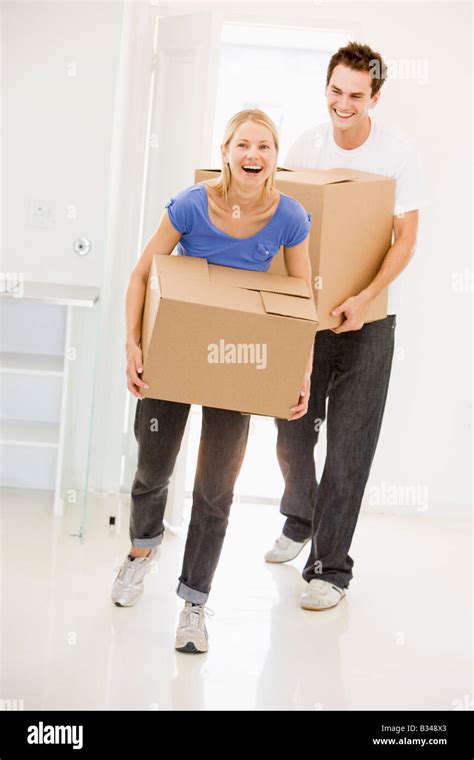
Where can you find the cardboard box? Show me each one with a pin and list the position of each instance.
(351, 232)
(225, 337)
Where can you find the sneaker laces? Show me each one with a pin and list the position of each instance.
(127, 569)
(319, 584)
(193, 620)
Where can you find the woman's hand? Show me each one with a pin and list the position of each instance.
(134, 366)
(302, 407)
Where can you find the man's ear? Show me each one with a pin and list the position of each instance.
(374, 100)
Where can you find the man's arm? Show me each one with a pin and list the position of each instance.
(398, 256)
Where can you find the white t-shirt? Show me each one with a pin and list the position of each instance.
(384, 152)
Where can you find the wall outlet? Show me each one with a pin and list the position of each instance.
(41, 214)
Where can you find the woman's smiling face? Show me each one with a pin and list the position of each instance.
(251, 154)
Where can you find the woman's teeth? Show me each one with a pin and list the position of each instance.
(251, 168)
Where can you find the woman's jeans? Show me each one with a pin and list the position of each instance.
(351, 372)
(159, 428)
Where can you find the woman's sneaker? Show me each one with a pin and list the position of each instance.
(321, 595)
(191, 635)
(285, 549)
(128, 584)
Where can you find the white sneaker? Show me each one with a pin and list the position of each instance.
(128, 584)
(285, 549)
(321, 595)
(191, 635)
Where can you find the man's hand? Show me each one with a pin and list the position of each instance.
(355, 311)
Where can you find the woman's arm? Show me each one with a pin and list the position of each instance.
(162, 242)
(298, 264)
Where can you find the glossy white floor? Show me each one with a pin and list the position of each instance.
(399, 640)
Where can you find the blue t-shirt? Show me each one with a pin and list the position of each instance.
(188, 212)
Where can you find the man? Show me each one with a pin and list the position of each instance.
(352, 363)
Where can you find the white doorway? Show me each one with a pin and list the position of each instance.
(204, 70)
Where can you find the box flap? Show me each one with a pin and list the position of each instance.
(371, 177)
(184, 266)
(287, 306)
(253, 280)
(217, 171)
(320, 176)
(176, 288)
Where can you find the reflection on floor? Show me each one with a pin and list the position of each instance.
(399, 640)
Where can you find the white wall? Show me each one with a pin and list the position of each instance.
(59, 65)
(58, 133)
(58, 80)
(427, 435)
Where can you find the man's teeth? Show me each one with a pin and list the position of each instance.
(343, 115)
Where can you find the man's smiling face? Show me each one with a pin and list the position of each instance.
(348, 97)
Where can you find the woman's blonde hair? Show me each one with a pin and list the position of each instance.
(222, 183)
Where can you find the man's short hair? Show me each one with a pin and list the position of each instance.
(360, 58)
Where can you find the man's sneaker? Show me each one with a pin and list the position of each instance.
(285, 549)
(321, 595)
(128, 584)
(191, 635)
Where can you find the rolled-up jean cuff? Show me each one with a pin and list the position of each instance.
(191, 594)
(147, 543)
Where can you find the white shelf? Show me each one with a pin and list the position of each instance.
(55, 293)
(30, 449)
(27, 433)
(31, 364)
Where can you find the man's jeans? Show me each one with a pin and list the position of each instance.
(159, 427)
(351, 370)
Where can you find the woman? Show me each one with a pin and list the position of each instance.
(238, 220)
